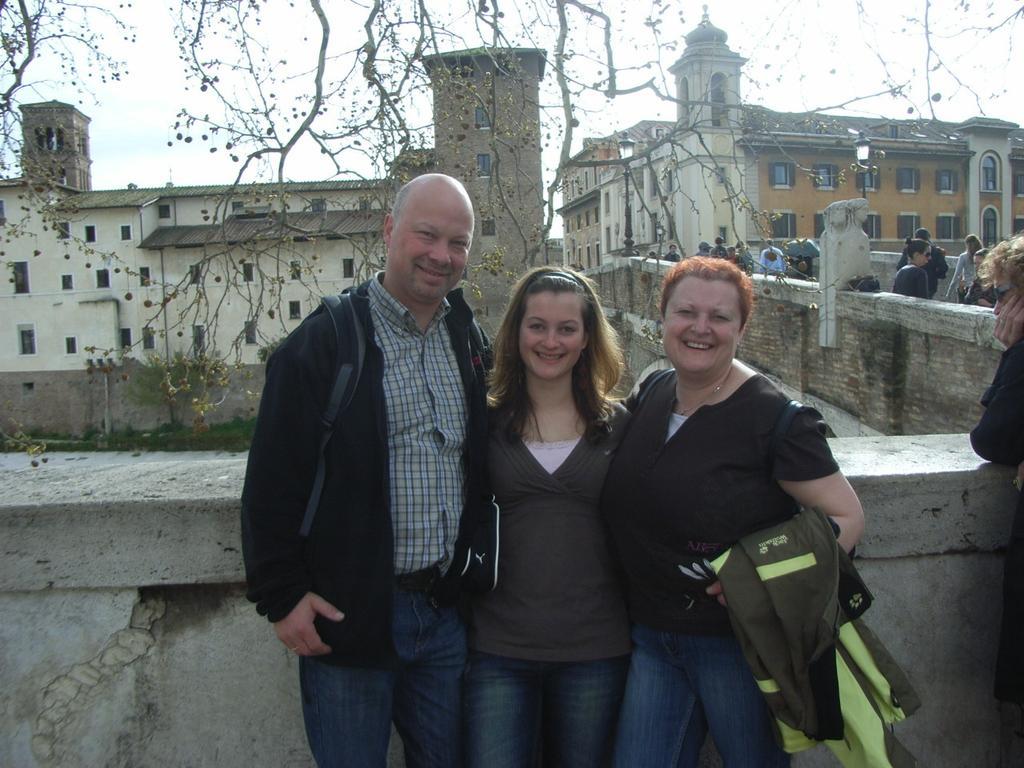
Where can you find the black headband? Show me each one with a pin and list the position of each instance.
(557, 274)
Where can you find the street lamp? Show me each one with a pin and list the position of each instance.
(863, 145)
(626, 145)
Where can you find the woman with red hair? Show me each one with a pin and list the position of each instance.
(693, 475)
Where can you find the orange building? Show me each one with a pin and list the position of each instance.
(744, 172)
(949, 178)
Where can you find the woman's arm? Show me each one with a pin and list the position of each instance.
(961, 263)
(834, 496)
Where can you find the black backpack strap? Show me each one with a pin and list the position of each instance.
(652, 381)
(346, 326)
(782, 424)
(479, 347)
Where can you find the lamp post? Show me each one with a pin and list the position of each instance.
(863, 146)
(626, 152)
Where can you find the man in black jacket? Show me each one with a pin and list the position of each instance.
(366, 600)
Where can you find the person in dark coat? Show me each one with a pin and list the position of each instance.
(979, 295)
(935, 267)
(912, 279)
(366, 595)
(999, 437)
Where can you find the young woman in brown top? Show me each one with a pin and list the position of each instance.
(549, 646)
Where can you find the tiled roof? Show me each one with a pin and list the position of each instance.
(761, 121)
(127, 198)
(236, 229)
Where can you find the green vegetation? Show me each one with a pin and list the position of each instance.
(232, 436)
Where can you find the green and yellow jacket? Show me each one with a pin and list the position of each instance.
(794, 601)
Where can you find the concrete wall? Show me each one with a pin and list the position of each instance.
(902, 365)
(127, 640)
(73, 402)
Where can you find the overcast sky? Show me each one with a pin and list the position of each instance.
(803, 54)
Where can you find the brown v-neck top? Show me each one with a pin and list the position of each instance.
(558, 597)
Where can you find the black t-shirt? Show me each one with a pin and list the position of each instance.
(709, 485)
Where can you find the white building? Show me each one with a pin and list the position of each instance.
(117, 272)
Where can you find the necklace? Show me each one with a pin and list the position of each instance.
(677, 408)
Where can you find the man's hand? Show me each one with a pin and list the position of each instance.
(296, 629)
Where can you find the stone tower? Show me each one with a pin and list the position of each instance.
(487, 134)
(55, 144)
(707, 78)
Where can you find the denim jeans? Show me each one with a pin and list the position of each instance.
(348, 711)
(679, 688)
(515, 709)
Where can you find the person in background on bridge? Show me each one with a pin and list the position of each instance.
(935, 266)
(979, 294)
(964, 273)
(549, 647)
(720, 251)
(672, 254)
(743, 258)
(999, 437)
(772, 261)
(912, 280)
(692, 476)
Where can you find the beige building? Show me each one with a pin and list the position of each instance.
(188, 270)
(102, 277)
(742, 172)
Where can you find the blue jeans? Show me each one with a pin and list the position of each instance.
(515, 709)
(679, 688)
(348, 711)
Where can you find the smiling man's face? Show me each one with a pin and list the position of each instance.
(428, 244)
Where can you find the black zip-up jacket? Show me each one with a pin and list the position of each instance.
(348, 557)
(999, 437)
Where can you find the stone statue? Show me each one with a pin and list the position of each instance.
(845, 253)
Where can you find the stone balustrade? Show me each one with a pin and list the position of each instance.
(127, 639)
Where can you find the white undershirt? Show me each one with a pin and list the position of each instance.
(551, 455)
(675, 421)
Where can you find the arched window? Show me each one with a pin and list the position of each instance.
(989, 227)
(717, 96)
(989, 173)
(684, 97)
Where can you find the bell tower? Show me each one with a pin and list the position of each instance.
(709, 114)
(55, 145)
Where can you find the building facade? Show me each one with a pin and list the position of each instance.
(190, 270)
(745, 173)
(103, 279)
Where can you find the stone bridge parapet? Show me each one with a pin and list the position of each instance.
(127, 639)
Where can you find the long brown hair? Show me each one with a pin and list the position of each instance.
(595, 374)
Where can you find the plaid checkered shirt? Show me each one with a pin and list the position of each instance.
(426, 428)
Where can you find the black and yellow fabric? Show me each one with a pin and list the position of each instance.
(825, 678)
